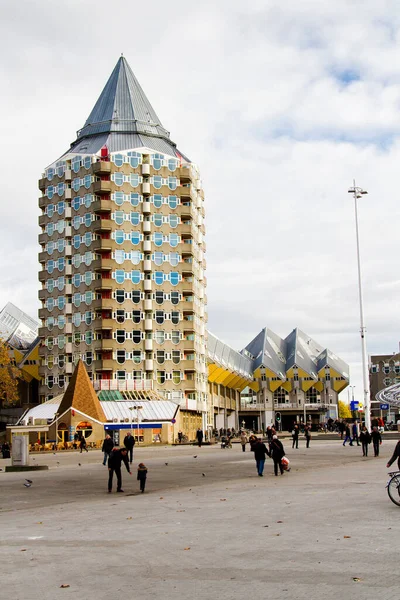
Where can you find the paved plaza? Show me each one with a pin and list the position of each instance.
(325, 530)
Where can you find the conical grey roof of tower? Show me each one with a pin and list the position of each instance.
(123, 118)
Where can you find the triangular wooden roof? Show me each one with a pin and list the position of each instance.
(80, 394)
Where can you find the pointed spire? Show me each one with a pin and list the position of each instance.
(123, 107)
(80, 394)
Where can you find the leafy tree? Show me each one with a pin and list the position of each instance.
(8, 377)
(344, 410)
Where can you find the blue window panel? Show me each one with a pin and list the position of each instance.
(120, 276)
(135, 199)
(158, 200)
(118, 160)
(136, 257)
(76, 164)
(172, 164)
(158, 220)
(158, 277)
(119, 217)
(158, 239)
(135, 277)
(134, 180)
(88, 298)
(157, 182)
(119, 237)
(118, 178)
(135, 238)
(172, 183)
(174, 278)
(135, 218)
(173, 221)
(119, 198)
(173, 202)
(87, 162)
(173, 240)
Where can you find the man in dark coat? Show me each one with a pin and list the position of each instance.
(106, 448)
(277, 452)
(129, 442)
(295, 436)
(376, 440)
(260, 452)
(199, 436)
(117, 456)
(396, 454)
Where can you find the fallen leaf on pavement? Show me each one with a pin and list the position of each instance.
(23, 550)
(347, 537)
(222, 499)
(64, 585)
(128, 518)
(356, 579)
(187, 548)
(279, 521)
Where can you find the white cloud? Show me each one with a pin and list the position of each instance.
(281, 105)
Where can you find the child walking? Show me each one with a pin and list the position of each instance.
(142, 475)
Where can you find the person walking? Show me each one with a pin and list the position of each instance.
(199, 436)
(355, 432)
(342, 429)
(180, 437)
(376, 440)
(277, 452)
(269, 434)
(260, 452)
(117, 456)
(396, 454)
(295, 437)
(106, 448)
(142, 476)
(243, 440)
(83, 445)
(307, 435)
(129, 442)
(5, 450)
(347, 437)
(365, 439)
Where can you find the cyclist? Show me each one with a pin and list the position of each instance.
(396, 454)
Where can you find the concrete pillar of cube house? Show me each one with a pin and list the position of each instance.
(167, 433)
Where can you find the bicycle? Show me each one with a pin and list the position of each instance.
(182, 441)
(393, 487)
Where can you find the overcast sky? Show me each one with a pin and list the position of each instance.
(280, 104)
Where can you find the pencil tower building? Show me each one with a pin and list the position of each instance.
(122, 256)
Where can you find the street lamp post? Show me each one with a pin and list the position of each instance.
(137, 408)
(358, 193)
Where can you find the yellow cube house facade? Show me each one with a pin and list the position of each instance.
(123, 283)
